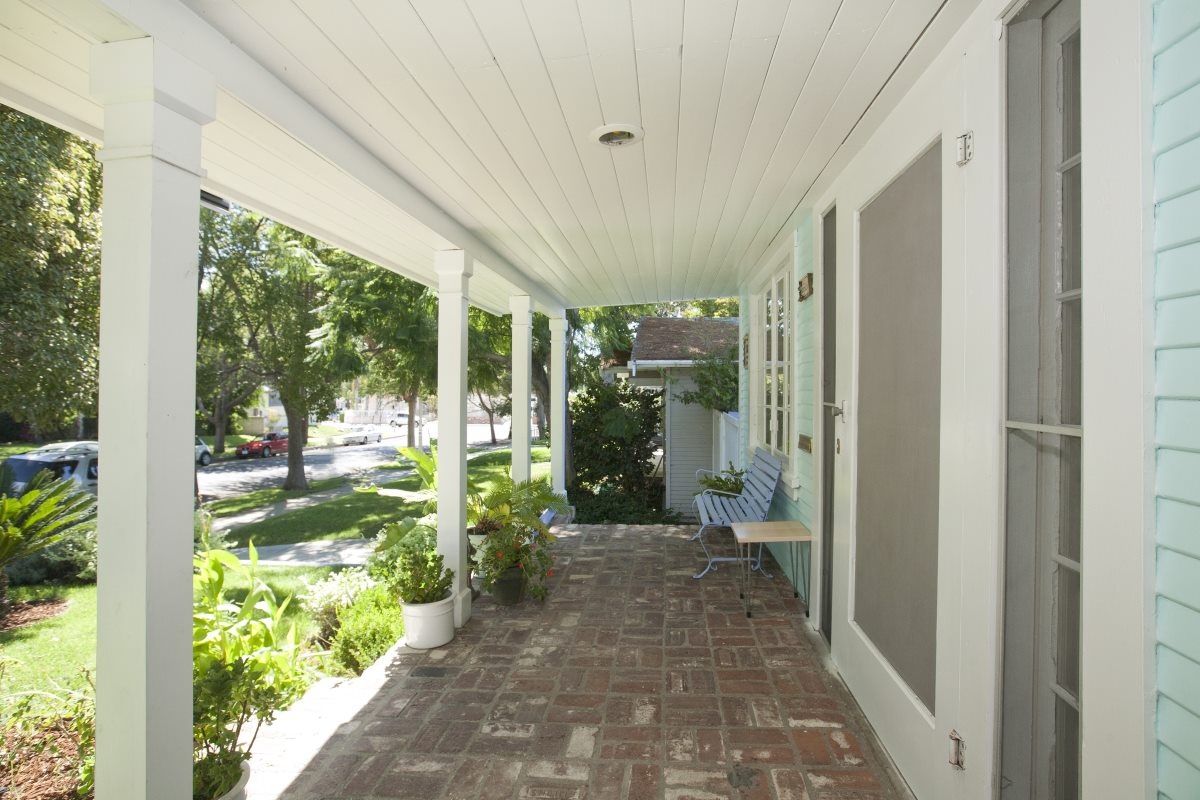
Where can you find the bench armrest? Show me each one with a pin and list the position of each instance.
(718, 491)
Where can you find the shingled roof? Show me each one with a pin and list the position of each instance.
(676, 339)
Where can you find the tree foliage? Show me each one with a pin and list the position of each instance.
(716, 377)
(614, 428)
(49, 272)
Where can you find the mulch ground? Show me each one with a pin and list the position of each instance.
(39, 768)
(21, 614)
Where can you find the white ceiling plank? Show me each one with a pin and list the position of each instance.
(507, 30)
(94, 21)
(740, 91)
(804, 32)
(708, 22)
(451, 23)
(371, 113)
(702, 74)
(849, 35)
(607, 25)
(445, 117)
(557, 27)
(657, 24)
(32, 94)
(35, 58)
(659, 74)
(34, 25)
(495, 99)
(896, 33)
(576, 91)
(760, 19)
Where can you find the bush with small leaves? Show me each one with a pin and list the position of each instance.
(366, 629)
(325, 598)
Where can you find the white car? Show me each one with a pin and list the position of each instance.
(349, 436)
(203, 453)
(77, 460)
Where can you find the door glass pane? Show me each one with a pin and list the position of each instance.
(1070, 96)
(1066, 751)
(1071, 355)
(1069, 500)
(767, 411)
(1066, 645)
(1072, 229)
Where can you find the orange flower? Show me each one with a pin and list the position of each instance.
(550, 574)
(499, 556)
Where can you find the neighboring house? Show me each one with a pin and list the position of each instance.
(665, 352)
(964, 235)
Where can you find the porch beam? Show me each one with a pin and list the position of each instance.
(558, 402)
(522, 383)
(155, 103)
(454, 269)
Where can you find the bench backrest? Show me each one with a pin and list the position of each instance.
(760, 480)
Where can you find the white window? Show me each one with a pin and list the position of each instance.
(773, 398)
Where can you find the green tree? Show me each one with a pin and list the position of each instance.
(279, 290)
(489, 364)
(49, 272)
(228, 376)
(393, 320)
(716, 379)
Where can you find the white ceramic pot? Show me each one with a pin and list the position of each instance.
(238, 792)
(429, 625)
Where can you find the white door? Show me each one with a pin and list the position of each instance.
(898, 567)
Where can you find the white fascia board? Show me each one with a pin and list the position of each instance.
(662, 364)
(237, 73)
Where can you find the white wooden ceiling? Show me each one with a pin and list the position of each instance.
(486, 106)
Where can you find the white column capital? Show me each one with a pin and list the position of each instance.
(453, 268)
(558, 325)
(521, 306)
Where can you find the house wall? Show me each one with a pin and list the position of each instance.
(689, 443)
(1176, 144)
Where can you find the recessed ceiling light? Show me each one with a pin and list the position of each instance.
(617, 135)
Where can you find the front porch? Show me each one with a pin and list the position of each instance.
(632, 681)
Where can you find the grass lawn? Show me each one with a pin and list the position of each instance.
(51, 655)
(15, 448)
(362, 514)
(230, 506)
(54, 653)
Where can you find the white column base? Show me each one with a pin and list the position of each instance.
(462, 606)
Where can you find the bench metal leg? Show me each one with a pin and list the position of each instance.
(711, 566)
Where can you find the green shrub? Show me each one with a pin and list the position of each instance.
(366, 629)
(324, 599)
(613, 430)
(73, 560)
(42, 722)
(729, 480)
(608, 505)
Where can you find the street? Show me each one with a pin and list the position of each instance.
(230, 478)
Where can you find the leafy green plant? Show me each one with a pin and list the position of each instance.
(514, 545)
(325, 598)
(426, 467)
(246, 667)
(608, 505)
(519, 502)
(729, 481)
(716, 379)
(366, 629)
(43, 515)
(421, 577)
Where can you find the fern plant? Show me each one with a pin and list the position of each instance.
(44, 514)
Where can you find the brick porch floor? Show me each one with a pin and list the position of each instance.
(633, 681)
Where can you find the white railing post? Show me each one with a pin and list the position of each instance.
(454, 275)
(558, 402)
(155, 103)
(522, 383)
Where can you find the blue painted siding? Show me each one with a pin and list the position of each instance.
(1177, 420)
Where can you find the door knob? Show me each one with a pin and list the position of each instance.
(837, 409)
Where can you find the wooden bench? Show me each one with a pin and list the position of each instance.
(723, 509)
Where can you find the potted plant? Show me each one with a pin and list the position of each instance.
(515, 560)
(511, 501)
(246, 667)
(407, 562)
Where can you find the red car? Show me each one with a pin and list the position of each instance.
(264, 446)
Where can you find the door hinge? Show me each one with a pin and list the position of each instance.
(958, 750)
(966, 148)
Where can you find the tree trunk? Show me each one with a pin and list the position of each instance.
(541, 388)
(412, 419)
(220, 421)
(297, 435)
(4, 606)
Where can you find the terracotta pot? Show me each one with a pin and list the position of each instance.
(238, 792)
(428, 625)
(509, 588)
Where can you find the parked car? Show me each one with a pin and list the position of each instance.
(264, 446)
(203, 454)
(357, 435)
(373, 434)
(77, 460)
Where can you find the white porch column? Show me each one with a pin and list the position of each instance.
(454, 274)
(155, 103)
(558, 402)
(522, 383)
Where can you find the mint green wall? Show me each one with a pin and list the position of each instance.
(1177, 437)
(802, 506)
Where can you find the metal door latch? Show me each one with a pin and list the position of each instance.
(837, 409)
(957, 751)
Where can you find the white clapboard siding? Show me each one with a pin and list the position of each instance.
(1177, 436)
(689, 443)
